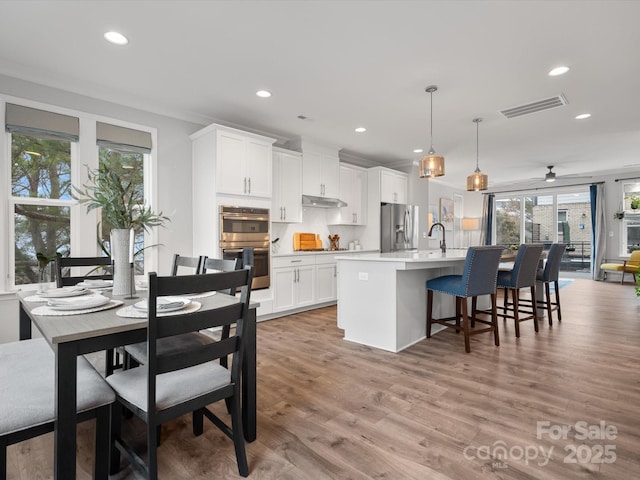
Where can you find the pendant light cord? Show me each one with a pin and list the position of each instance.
(477, 122)
(431, 121)
(477, 144)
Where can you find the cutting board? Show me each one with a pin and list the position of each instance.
(306, 241)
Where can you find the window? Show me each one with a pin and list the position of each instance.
(508, 217)
(41, 151)
(131, 166)
(562, 223)
(631, 222)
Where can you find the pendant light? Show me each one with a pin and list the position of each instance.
(477, 180)
(431, 165)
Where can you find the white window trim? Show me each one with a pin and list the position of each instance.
(85, 152)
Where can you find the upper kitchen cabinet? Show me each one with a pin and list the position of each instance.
(287, 186)
(320, 169)
(393, 186)
(353, 191)
(243, 160)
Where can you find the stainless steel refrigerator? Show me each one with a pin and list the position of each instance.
(398, 227)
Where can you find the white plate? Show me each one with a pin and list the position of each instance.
(96, 283)
(180, 303)
(79, 304)
(65, 292)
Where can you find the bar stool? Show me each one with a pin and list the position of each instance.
(551, 273)
(523, 275)
(478, 278)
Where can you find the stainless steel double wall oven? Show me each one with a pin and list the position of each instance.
(242, 228)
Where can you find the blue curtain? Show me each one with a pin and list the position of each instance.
(593, 191)
(487, 219)
(598, 235)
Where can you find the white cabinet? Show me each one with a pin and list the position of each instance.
(320, 168)
(293, 282)
(320, 174)
(242, 160)
(326, 278)
(393, 187)
(353, 190)
(287, 186)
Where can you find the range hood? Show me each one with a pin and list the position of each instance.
(322, 202)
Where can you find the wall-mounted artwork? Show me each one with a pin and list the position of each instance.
(446, 213)
(434, 215)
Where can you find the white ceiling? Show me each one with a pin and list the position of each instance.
(345, 64)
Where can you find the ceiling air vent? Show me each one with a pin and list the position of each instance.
(546, 104)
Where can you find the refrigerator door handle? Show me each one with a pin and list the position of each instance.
(407, 224)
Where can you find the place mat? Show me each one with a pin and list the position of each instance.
(199, 295)
(45, 310)
(132, 312)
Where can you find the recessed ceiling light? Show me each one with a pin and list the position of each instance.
(558, 71)
(582, 116)
(263, 94)
(116, 38)
(361, 129)
(418, 150)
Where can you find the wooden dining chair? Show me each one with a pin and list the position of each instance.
(27, 376)
(180, 263)
(65, 265)
(172, 384)
(522, 275)
(478, 278)
(138, 352)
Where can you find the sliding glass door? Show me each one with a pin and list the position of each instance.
(548, 218)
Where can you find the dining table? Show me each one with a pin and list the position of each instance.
(71, 335)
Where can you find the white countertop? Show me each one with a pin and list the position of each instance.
(411, 256)
(322, 252)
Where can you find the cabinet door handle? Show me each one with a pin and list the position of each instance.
(280, 213)
(296, 261)
(335, 270)
(285, 213)
(245, 184)
(249, 185)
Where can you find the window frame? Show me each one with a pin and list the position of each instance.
(84, 153)
(630, 218)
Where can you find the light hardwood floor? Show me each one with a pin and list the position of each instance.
(329, 409)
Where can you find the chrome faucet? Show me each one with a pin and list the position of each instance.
(443, 244)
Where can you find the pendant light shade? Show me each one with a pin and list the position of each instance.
(477, 180)
(431, 165)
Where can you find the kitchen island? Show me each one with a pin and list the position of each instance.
(382, 299)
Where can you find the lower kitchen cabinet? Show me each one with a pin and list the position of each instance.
(326, 280)
(304, 280)
(294, 282)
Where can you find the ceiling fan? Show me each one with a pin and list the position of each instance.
(551, 176)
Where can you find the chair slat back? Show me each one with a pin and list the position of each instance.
(481, 270)
(64, 265)
(526, 265)
(164, 326)
(554, 259)
(219, 265)
(193, 263)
